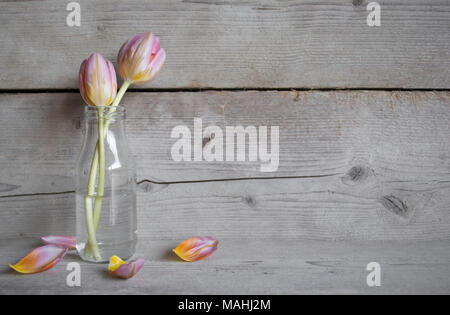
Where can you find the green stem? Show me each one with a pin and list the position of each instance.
(101, 170)
(119, 96)
(99, 198)
(93, 217)
(98, 161)
(93, 173)
(92, 241)
(89, 196)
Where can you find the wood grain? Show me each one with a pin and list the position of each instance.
(250, 267)
(278, 209)
(234, 44)
(354, 166)
(363, 176)
(393, 138)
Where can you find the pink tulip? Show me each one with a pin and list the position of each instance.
(97, 80)
(140, 58)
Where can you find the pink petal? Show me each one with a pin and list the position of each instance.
(130, 46)
(126, 271)
(156, 46)
(40, 259)
(81, 76)
(143, 55)
(158, 62)
(196, 248)
(60, 241)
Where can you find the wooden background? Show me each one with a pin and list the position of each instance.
(364, 143)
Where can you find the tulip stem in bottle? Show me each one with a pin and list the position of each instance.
(92, 240)
(101, 169)
(101, 186)
(98, 161)
(90, 195)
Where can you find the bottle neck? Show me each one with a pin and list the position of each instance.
(107, 113)
(110, 119)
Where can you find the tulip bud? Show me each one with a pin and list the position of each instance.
(98, 82)
(140, 58)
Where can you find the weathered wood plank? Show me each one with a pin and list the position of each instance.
(367, 165)
(251, 267)
(389, 139)
(229, 44)
(278, 209)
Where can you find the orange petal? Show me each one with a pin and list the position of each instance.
(196, 248)
(40, 259)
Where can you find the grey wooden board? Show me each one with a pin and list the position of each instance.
(361, 166)
(397, 138)
(229, 44)
(247, 209)
(250, 267)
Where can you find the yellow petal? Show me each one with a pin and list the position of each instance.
(114, 263)
(120, 269)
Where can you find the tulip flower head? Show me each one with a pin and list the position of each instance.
(98, 82)
(140, 58)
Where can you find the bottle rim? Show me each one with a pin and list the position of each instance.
(107, 111)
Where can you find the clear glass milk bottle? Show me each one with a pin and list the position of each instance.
(105, 190)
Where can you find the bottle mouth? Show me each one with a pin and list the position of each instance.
(108, 112)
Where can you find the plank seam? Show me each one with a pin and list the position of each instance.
(178, 183)
(234, 179)
(39, 194)
(243, 89)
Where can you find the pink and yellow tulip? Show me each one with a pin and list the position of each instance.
(40, 259)
(196, 248)
(120, 269)
(97, 80)
(140, 58)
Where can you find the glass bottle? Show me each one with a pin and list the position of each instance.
(105, 209)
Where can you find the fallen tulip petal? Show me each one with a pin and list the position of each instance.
(120, 269)
(196, 248)
(40, 259)
(60, 241)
